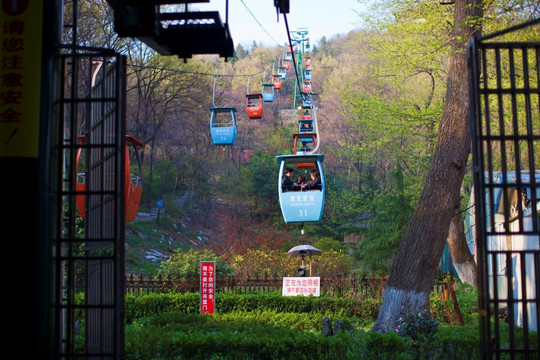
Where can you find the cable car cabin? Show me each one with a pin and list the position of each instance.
(306, 101)
(307, 86)
(254, 106)
(268, 92)
(277, 81)
(300, 204)
(304, 143)
(282, 71)
(288, 53)
(305, 126)
(286, 64)
(133, 181)
(307, 74)
(223, 125)
(307, 61)
(307, 113)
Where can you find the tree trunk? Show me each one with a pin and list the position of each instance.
(459, 251)
(413, 270)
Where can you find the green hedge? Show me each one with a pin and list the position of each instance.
(188, 303)
(269, 335)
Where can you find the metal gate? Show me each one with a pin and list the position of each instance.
(90, 246)
(505, 111)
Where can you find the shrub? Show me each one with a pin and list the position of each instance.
(139, 305)
(274, 335)
(187, 264)
(416, 326)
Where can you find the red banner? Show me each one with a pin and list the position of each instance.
(208, 282)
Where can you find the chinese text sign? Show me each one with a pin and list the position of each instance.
(306, 286)
(20, 77)
(208, 282)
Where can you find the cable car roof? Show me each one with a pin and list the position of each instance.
(294, 159)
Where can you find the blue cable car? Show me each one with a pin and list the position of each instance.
(268, 92)
(300, 205)
(282, 71)
(307, 74)
(305, 126)
(304, 143)
(288, 53)
(223, 125)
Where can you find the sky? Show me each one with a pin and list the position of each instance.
(319, 17)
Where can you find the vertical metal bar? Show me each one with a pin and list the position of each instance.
(510, 301)
(480, 209)
(524, 301)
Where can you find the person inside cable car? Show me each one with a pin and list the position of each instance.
(297, 185)
(286, 182)
(315, 182)
(305, 147)
(306, 126)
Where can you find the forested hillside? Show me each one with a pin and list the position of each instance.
(379, 94)
(376, 130)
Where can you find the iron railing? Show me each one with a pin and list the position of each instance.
(505, 115)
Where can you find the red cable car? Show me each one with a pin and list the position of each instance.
(286, 63)
(307, 113)
(307, 61)
(133, 182)
(307, 86)
(277, 81)
(254, 106)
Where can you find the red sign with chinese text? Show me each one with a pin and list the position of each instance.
(208, 284)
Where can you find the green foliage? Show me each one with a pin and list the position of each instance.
(270, 326)
(139, 305)
(262, 261)
(259, 182)
(331, 263)
(263, 334)
(328, 243)
(417, 326)
(177, 336)
(186, 264)
(390, 212)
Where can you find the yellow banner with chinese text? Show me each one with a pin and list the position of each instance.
(20, 77)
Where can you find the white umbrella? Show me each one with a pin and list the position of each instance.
(304, 250)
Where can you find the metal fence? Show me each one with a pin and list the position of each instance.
(355, 284)
(505, 111)
(92, 104)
